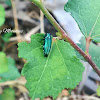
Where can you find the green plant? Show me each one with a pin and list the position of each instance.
(8, 70)
(49, 75)
(61, 69)
(98, 90)
(3, 63)
(2, 15)
(8, 94)
(12, 72)
(6, 37)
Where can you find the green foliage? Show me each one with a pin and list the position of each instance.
(98, 90)
(3, 62)
(12, 72)
(2, 15)
(36, 1)
(6, 36)
(58, 34)
(97, 40)
(94, 51)
(49, 75)
(0, 97)
(8, 94)
(87, 15)
(8, 2)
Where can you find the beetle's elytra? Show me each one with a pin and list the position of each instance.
(47, 44)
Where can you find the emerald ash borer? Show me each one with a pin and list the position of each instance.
(47, 44)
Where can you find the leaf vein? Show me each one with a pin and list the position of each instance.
(65, 64)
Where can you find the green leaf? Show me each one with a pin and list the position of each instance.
(47, 76)
(94, 51)
(98, 90)
(6, 36)
(8, 94)
(3, 62)
(36, 1)
(8, 2)
(87, 15)
(58, 34)
(2, 15)
(12, 72)
(97, 40)
(0, 97)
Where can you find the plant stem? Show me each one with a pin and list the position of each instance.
(88, 40)
(64, 35)
(42, 20)
(15, 20)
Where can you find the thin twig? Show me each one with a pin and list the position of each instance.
(27, 36)
(10, 45)
(42, 20)
(20, 81)
(15, 20)
(32, 31)
(27, 17)
(88, 40)
(25, 96)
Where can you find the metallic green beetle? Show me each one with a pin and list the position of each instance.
(47, 44)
